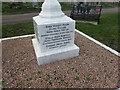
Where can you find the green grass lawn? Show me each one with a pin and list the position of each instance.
(65, 6)
(110, 5)
(106, 32)
(6, 9)
(17, 29)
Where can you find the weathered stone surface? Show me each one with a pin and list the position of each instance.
(54, 34)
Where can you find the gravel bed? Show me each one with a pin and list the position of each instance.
(96, 67)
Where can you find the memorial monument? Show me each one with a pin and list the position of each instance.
(54, 34)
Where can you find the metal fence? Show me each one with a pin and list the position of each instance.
(88, 12)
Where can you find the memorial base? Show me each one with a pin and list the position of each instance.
(56, 55)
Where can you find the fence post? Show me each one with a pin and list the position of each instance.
(99, 15)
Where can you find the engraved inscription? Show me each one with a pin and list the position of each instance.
(58, 35)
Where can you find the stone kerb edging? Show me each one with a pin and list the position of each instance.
(17, 37)
(90, 38)
(99, 43)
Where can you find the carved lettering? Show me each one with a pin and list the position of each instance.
(58, 35)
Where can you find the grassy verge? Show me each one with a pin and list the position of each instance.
(110, 5)
(106, 32)
(65, 6)
(23, 10)
(6, 7)
(17, 29)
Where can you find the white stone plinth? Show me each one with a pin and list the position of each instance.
(54, 55)
(54, 34)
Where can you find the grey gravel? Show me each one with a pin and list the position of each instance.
(96, 67)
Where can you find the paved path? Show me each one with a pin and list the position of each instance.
(27, 17)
